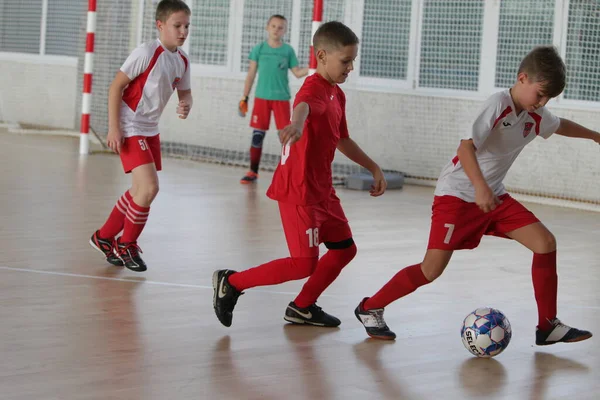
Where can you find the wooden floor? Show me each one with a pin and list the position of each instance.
(73, 327)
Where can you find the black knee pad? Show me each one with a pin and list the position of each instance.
(344, 244)
(257, 138)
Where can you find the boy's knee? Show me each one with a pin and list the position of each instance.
(147, 192)
(547, 243)
(304, 267)
(432, 270)
(346, 249)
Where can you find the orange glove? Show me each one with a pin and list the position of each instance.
(243, 106)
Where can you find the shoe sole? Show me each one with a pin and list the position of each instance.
(243, 182)
(299, 321)
(215, 283)
(101, 252)
(136, 269)
(579, 339)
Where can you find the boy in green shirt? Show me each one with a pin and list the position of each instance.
(271, 59)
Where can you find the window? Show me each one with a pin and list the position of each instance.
(583, 51)
(523, 26)
(450, 44)
(385, 39)
(209, 32)
(20, 25)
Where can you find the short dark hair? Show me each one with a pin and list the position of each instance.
(278, 16)
(165, 8)
(544, 64)
(333, 34)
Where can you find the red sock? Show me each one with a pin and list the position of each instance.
(255, 153)
(404, 282)
(134, 223)
(545, 287)
(328, 268)
(273, 273)
(116, 219)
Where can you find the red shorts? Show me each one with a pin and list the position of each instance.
(306, 227)
(261, 114)
(140, 150)
(457, 224)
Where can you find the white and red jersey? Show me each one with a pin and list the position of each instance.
(155, 73)
(498, 135)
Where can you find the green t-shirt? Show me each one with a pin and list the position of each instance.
(273, 65)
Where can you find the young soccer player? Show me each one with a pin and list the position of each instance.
(470, 200)
(136, 99)
(311, 212)
(271, 59)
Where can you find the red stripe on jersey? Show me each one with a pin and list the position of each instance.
(185, 60)
(455, 160)
(538, 120)
(133, 93)
(506, 111)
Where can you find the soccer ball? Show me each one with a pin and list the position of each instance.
(486, 332)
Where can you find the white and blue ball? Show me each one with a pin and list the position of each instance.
(486, 332)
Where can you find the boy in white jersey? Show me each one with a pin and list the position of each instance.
(136, 99)
(470, 199)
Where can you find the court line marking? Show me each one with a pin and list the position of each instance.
(189, 285)
(134, 280)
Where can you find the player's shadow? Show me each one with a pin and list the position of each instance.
(308, 350)
(476, 373)
(546, 365)
(117, 331)
(227, 378)
(368, 353)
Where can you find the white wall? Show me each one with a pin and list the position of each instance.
(38, 90)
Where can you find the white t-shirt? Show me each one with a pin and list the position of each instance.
(498, 135)
(155, 73)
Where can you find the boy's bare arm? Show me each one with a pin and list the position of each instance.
(115, 94)
(293, 132)
(569, 128)
(185, 103)
(299, 72)
(352, 150)
(484, 196)
(252, 68)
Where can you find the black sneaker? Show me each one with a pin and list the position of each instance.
(129, 253)
(311, 315)
(560, 333)
(225, 296)
(373, 322)
(106, 247)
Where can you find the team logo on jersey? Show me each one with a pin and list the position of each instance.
(175, 82)
(527, 129)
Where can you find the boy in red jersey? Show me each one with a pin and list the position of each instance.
(136, 99)
(311, 212)
(471, 201)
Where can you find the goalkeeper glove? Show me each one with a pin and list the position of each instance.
(243, 106)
